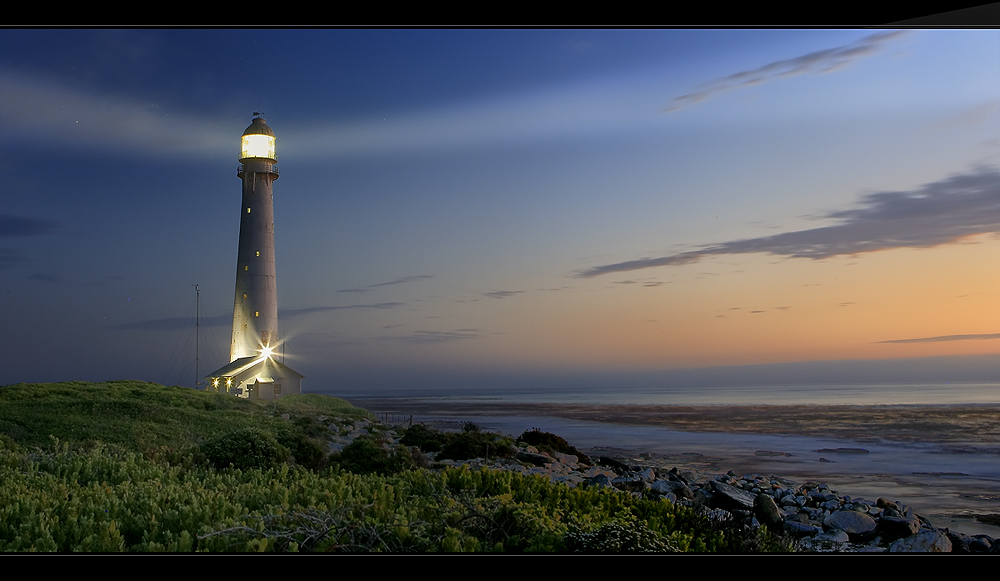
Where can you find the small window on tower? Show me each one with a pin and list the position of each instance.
(256, 313)
(258, 253)
(244, 296)
(248, 210)
(246, 268)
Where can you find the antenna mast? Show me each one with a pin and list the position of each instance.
(197, 333)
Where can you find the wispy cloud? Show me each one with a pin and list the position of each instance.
(402, 280)
(45, 277)
(19, 226)
(937, 213)
(289, 313)
(227, 319)
(172, 323)
(33, 109)
(975, 336)
(501, 294)
(430, 337)
(9, 257)
(819, 62)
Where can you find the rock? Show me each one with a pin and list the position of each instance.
(830, 541)
(842, 451)
(959, 542)
(613, 464)
(800, 530)
(600, 481)
(533, 458)
(767, 512)
(923, 542)
(649, 475)
(630, 483)
(884, 503)
(731, 498)
(567, 459)
(855, 524)
(893, 528)
(981, 544)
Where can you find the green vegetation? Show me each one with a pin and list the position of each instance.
(549, 442)
(131, 466)
(142, 416)
(471, 442)
(368, 456)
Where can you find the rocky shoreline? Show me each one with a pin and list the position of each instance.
(812, 513)
(817, 517)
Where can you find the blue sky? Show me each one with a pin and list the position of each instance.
(493, 203)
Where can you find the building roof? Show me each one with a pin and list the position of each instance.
(244, 364)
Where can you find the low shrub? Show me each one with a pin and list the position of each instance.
(549, 442)
(426, 439)
(365, 455)
(617, 536)
(468, 445)
(244, 449)
(306, 452)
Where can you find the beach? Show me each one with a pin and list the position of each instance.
(943, 460)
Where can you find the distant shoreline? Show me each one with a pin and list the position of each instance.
(951, 424)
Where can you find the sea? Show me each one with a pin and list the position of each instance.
(946, 483)
(855, 394)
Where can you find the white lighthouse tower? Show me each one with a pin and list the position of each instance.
(253, 371)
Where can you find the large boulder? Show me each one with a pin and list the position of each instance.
(922, 542)
(767, 512)
(855, 524)
(731, 498)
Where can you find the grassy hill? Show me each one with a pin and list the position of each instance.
(141, 467)
(141, 416)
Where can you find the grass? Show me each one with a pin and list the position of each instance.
(136, 466)
(139, 416)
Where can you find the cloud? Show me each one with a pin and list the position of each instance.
(33, 109)
(45, 277)
(9, 257)
(937, 213)
(289, 313)
(405, 279)
(401, 280)
(501, 294)
(819, 62)
(172, 323)
(19, 226)
(430, 337)
(979, 336)
(971, 116)
(227, 319)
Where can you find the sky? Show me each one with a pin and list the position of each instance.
(472, 207)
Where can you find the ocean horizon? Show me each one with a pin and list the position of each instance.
(958, 393)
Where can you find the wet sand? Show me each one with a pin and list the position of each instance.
(942, 460)
(964, 424)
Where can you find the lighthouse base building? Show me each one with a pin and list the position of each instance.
(253, 372)
(255, 378)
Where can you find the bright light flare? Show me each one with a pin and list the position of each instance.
(258, 146)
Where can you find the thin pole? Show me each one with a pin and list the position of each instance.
(197, 325)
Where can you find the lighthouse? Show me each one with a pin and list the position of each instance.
(253, 371)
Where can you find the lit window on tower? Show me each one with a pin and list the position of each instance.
(246, 268)
(248, 210)
(256, 313)
(258, 253)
